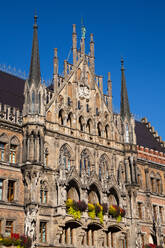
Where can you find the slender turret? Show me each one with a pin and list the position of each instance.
(34, 74)
(124, 107)
(74, 44)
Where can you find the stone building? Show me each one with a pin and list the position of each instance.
(65, 142)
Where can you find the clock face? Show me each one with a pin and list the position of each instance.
(83, 92)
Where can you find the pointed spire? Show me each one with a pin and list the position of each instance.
(34, 73)
(124, 105)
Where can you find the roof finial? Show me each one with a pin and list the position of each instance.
(124, 104)
(35, 19)
(122, 63)
(34, 74)
(83, 29)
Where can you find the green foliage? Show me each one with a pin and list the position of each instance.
(92, 214)
(75, 213)
(100, 216)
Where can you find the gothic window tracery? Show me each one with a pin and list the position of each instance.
(103, 167)
(85, 162)
(14, 150)
(65, 157)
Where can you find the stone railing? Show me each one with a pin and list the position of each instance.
(10, 114)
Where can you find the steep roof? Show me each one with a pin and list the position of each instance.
(11, 90)
(145, 138)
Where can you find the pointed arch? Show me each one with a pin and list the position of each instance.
(94, 196)
(61, 116)
(65, 157)
(158, 183)
(99, 129)
(89, 125)
(73, 191)
(4, 140)
(70, 119)
(107, 131)
(103, 166)
(85, 162)
(113, 197)
(81, 123)
(14, 155)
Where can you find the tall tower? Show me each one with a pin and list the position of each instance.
(33, 140)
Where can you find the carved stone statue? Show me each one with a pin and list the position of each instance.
(30, 223)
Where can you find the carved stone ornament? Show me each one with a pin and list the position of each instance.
(83, 92)
(30, 223)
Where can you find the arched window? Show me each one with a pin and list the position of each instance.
(103, 167)
(139, 177)
(158, 184)
(89, 125)
(3, 145)
(81, 123)
(61, 116)
(99, 129)
(69, 120)
(33, 101)
(85, 162)
(152, 182)
(65, 157)
(107, 131)
(14, 151)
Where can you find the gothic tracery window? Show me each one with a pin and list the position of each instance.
(103, 167)
(85, 162)
(65, 157)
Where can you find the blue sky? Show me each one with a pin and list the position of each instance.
(132, 29)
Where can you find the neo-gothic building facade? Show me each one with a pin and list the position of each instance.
(65, 142)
